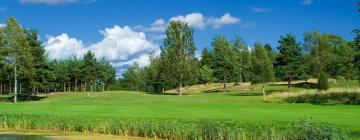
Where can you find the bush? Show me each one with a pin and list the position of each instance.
(329, 97)
(323, 83)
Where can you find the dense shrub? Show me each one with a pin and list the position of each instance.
(326, 97)
(323, 83)
(175, 128)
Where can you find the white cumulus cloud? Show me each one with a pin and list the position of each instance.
(196, 20)
(223, 20)
(63, 47)
(122, 46)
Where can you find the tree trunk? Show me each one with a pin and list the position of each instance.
(108, 88)
(33, 90)
(163, 90)
(85, 87)
(103, 87)
(180, 88)
(224, 87)
(64, 87)
(1, 87)
(69, 87)
(75, 85)
(263, 89)
(91, 86)
(347, 83)
(15, 85)
(241, 79)
(289, 84)
(20, 89)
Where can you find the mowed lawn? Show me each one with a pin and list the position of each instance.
(236, 106)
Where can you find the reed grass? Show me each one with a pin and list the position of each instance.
(176, 128)
(333, 96)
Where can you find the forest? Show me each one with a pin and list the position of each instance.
(26, 70)
(320, 56)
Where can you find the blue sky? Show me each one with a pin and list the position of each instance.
(83, 23)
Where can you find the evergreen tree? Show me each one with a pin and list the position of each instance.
(90, 69)
(205, 57)
(40, 63)
(19, 54)
(243, 63)
(222, 58)
(206, 75)
(262, 67)
(289, 63)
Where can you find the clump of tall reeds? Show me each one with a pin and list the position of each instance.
(335, 96)
(175, 128)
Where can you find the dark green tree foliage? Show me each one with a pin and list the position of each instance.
(262, 67)
(19, 54)
(343, 61)
(289, 64)
(41, 72)
(242, 61)
(22, 48)
(205, 57)
(206, 75)
(107, 73)
(90, 69)
(222, 57)
(272, 54)
(323, 83)
(132, 77)
(179, 48)
(320, 55)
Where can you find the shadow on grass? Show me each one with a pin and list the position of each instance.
(306, 85)
(246, 94)
(22, 98)
(160, 93)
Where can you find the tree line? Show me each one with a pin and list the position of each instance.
(320, 55)
(26, 69)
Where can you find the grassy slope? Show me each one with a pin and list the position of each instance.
(240, 106)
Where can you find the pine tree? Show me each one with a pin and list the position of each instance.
(90, 69)
(19, 53)
(243, 64)
(289, 63)
(223, 58)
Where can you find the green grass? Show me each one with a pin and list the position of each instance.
(240, 106)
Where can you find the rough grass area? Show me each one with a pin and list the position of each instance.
(176, 128)
(321, 97)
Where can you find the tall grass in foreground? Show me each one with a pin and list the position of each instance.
(176, 129)
(335, 96)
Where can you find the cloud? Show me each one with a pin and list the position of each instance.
(223, 20)
(2, 25)
(196, 20)
(259, 9)
(306, 2)
(63, 47)
(158, 25)
(122, 46)
(50, 2)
